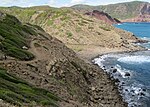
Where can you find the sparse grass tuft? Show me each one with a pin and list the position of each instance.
(104, 28)
(69, 34)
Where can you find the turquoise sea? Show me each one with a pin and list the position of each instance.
(132, 70)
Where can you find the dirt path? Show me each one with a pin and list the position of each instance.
(32, 49)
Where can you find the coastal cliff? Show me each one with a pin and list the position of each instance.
(136, 11)
(43, 61)
(103, 16)
(39, 70)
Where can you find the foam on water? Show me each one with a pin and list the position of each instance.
(122, 71)
(135, 59)
(146, 38)
(132, 91)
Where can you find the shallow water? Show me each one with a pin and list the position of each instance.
(132, 70)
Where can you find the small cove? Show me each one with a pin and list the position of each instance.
(132, 70)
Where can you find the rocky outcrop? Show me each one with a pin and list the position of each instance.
(103, 16)
(140, 18)
(127, 11)
(144, 14)
(145, 9)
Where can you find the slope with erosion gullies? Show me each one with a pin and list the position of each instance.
(103, 16)
(13, 37)
(76, 30)
(55, 77)
(121, 11)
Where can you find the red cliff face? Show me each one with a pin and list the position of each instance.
(103, 16)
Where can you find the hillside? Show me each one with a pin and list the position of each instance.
(121, 11)
(103, 17)
(78, 31)
(54, 77)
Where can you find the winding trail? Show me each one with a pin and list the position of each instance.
(32, 49)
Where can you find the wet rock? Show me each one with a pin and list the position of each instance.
(117, 80)
(114, 70)
(126, 90)
(142, 94)
(132, 91)
(123, 83)
(127, 74)
(144, 90)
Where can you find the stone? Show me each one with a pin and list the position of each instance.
(93, 88)
(117, 80)
(127, 74)
(24, 47)
(144, 89)
(114, 70)
(142, 94)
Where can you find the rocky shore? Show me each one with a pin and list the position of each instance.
(91, 52)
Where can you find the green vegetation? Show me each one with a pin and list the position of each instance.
(104, 28)
(78, 29)
(69, 34)
(18, 92)
(50, 22)
(90, 27)
(14, 36)
(120, 11)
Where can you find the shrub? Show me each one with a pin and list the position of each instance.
(69, 34)
(104, 28)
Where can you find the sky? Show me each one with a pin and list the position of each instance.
(58, 3)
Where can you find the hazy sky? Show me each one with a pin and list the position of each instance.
(58, 3)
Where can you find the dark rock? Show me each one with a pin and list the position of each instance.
(114, 70)
(142, 94)
(127, 74)
(103, 16)
(144, 89)
(123, 83)
(117, 80)
(132, 91)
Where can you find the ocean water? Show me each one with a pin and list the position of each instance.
(131, 70)
(141, 30)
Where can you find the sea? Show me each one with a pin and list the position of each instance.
(131, 70)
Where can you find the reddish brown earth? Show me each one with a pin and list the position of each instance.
(103, 16)
(140, 18)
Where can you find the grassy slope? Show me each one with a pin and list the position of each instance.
(13, 36)
(70, 26)
(120, 11)
(18, 92)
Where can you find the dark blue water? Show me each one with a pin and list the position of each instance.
(133, 69)
(141, 30)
